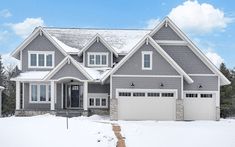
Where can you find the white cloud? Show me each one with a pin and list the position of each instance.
(23, 29)
(5, 13)
(9, 61)
(215, 58)
(3, 35)
(152, 23)
(194, 17)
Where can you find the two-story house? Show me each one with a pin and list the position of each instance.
(130, 74)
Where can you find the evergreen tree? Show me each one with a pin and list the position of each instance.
(226, 93)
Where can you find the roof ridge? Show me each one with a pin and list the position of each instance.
(81, 28)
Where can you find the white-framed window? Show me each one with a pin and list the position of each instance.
(199, 94)
(147, 60)
(98, 100)
(40, 59)
(39, 93)
(148, 93)
(97, 59)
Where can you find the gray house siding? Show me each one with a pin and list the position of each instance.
(187, 60)
(98, 88)
(77, 58)
(133, 66)
(69, 70)
(97, 47)
(118, 59)
(40, 106)
(40, 43)
(209, 83)
(166, 33)
(146, 83)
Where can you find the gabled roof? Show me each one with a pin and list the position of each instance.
(193, 47)
(149, 39)
(31, 76)
(38, 31)
(97, 38)
(64, 62)
(121, 40)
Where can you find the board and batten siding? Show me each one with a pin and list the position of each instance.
(186, 59)
(98, 47)
(209, 83)
(133, 66)
(146, 83)
(40, 43)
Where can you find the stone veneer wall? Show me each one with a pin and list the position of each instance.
(179, 109)
(114, 109)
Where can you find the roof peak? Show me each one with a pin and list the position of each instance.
(84, 28)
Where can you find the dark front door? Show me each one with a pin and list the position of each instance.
(74, 95)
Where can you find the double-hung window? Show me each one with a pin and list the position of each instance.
(40, 93)
(147, 60)
(41, 59)
(97, 59)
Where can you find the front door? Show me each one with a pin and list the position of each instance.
(74, 96)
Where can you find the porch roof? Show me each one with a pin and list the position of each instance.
(31, 76)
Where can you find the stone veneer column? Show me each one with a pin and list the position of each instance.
(114, 109)
(179, 109)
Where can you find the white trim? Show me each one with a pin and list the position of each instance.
(23, 95)
(100, 54)
(52, 104)
(21, 62)
(171, 42)
(93, 40)
(70, 78)
(206, 75)
(182, 88)
(160, 91)
(45, 53)
(193, 47)
(85, 95)
(148, 76)
(38, 93)
(95, 96)
(32, 36)
(158, 49)
(111, 86)
(111, 62)
(83, 62)
(150, 53)
(217, 102)
(62, 95)
(17, 95)
(63, 63)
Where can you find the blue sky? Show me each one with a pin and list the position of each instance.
(210, 24)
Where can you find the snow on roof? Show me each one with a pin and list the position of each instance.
(66, 47)
(97, 74)
(122, 40)
(31, 75)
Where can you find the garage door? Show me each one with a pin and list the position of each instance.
(142, 104)
(199, 105)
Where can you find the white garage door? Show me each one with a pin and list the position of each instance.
(146, 104)
(199, 105)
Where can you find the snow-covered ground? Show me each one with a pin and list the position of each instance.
(95, 131)
(51, 131)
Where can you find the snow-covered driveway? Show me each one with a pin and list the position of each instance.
(179, 134)
(50, 131)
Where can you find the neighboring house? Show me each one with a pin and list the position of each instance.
(130, 74)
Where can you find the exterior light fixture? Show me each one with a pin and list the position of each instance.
(132, 85)
(162, 85)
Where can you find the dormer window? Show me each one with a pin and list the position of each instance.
(97, 59)
(40, 59)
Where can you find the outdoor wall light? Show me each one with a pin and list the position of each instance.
(162, 85)
(200, 86)
(132, 85)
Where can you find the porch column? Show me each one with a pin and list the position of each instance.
(85, 91)
(17, 95)
(52, 95)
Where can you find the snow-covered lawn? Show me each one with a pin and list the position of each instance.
(51, 131)
(96, 131)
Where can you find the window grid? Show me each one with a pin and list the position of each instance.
(39, 59)
(40, 93)
(97, 59)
